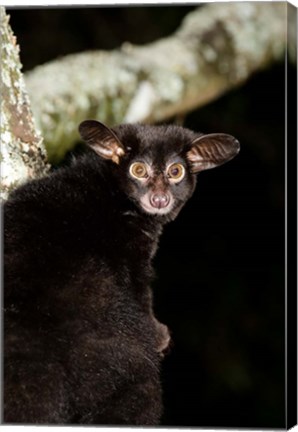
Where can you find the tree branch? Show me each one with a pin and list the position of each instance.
(22, 153)
(216, 48)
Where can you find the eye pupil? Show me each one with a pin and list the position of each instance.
(138, 170)
(176, 172)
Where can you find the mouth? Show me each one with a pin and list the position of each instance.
(148, 207)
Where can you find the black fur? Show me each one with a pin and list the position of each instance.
(81, 343)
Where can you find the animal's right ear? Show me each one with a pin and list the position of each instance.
(102, 140)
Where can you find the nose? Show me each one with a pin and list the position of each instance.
(159, 200)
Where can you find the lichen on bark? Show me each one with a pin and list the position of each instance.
(22, 154)
(217, 47)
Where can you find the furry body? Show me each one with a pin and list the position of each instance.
(81, 343)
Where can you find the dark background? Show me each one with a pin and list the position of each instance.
(220, 267)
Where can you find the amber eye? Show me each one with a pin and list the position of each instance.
(176, 172)
(138, 170)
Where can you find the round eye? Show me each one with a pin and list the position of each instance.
(176, 172)
(138, 170)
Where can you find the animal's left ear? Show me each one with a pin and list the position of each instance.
(212, 150)
(102, 140)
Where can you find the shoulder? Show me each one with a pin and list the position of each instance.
(65, 183)
(67, 190)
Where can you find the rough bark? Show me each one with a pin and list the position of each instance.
(217, 47)
(22, 154)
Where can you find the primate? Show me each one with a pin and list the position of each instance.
(81, 343)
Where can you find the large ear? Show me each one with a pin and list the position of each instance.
(102, 140)
(212, 150)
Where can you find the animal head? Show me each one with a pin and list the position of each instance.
(156, 166)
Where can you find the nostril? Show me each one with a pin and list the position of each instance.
(159, 200)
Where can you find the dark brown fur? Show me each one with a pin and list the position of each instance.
(81, 343)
